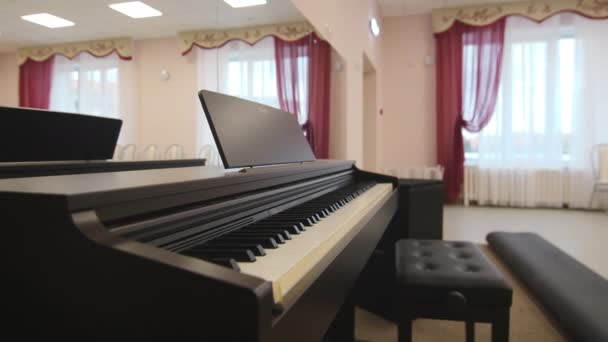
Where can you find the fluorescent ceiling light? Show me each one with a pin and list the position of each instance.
(244, 3)
(47, 20)
(136, 9)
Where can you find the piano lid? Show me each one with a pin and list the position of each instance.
(251, 134)
(29, 135)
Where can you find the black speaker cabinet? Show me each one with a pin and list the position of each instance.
(420, 216)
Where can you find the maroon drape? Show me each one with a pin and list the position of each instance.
(487, 42)
(35, 83)
(286, 58)
(318, 94)
(318, 54)
(483, 71)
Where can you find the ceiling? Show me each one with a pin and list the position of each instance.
(393, 8)
(95, 20)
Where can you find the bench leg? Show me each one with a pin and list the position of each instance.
(405, 330)
(500, 327)
(470, 330)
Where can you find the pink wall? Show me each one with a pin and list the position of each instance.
(9, 80)
(167, 109)
(407, 128)
(345, 24)
(337, 110)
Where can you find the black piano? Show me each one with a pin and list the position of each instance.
(45, 143)
(266, 253)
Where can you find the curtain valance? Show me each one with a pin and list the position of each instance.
(481, 15)
(210, 39)
(98, 48)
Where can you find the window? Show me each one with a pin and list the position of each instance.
(86, 84)
(254, 80)
(249, 72)
(535, 102)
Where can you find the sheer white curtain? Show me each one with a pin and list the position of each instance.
(101, 86)
(536, 149)
(238, 69)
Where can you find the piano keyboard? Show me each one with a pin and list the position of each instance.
(290, 249)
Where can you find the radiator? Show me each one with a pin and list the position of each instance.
(553, 188)
(417, 172)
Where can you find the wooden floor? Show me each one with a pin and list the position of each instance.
(582, 234)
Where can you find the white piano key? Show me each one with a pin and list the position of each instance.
(294, 266)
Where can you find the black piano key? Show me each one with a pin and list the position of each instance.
(257, 249)
(282, 223)
(314, 214)
(266, 242)
(308, 220)
(321, 211)
(281, 232)
(277, 237)
(244, 255)
(292, 229)
(305, 222)
(227, 262)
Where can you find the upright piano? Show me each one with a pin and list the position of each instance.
(267, 253)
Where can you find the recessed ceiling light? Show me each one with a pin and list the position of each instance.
(136, 9)
(244, 3)
(374, 27)
(47, 20)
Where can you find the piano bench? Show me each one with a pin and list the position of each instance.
(450, 280)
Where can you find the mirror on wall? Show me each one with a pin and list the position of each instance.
(147, 71)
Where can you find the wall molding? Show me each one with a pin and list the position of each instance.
(212, 39)
(538, 10)
(98, 48)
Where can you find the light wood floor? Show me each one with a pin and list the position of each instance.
(584, 235)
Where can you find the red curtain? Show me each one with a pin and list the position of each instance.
(318, 94)
(316, 105)
(288, 77)
(483, 71)
(35, 83)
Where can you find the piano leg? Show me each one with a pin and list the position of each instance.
(342, 328)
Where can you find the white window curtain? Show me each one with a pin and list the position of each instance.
(237, 69)
(96, 86)
(552, 109)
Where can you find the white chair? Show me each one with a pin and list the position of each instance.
(128, 152)
(210, 154)
(174, 151)
(599, 165)
(117, 150)
(150, 152)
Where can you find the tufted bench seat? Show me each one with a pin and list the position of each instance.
(450, 280)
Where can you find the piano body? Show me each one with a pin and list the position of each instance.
(267, 254)
(132, 253)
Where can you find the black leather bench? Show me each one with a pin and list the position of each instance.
(574, 295)
(450, 280)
